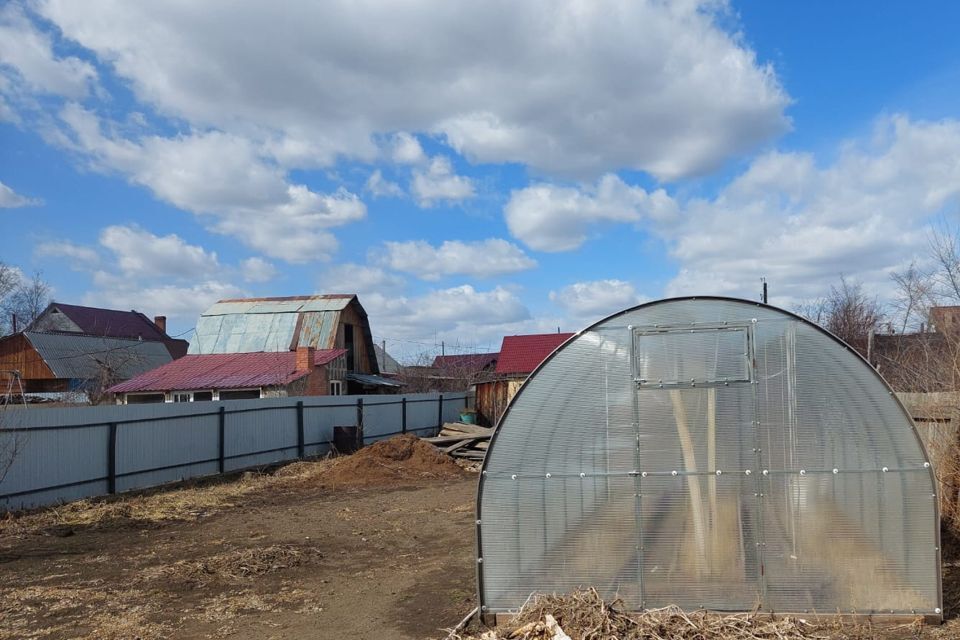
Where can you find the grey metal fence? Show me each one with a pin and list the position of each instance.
(61, 454)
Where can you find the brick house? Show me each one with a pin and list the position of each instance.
(238, 376)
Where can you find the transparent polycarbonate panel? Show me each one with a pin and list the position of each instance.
(700, 542)
(783, 540)
(574, 416)
(696, 429)
(554, 535)
(821, 407)
(675, 356)
(854, 542)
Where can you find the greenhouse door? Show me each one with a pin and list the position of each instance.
(696, 452)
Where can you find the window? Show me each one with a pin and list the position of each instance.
(242, 394)
(181, 397)
(144, 398)
(336, 388)
(202, 396)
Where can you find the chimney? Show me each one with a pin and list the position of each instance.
(305, 358)
(161, 322)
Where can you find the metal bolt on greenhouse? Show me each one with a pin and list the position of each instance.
(709, 453)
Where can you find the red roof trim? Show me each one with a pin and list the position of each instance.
(225, 371)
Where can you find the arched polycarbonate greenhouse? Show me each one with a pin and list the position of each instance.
(709, 453)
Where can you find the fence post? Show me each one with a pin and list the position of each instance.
(112, 459)
(403, 415)
(440, 414)
(300, 429)
(222, 437)
(360, 441)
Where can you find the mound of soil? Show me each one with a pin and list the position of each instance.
(401, 458)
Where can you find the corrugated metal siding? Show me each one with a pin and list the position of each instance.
(612, 469)
(65, 454)
(319, 329)
(83, 357)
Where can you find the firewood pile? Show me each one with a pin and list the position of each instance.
(464, 441)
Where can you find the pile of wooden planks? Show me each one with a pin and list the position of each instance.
(468, 441)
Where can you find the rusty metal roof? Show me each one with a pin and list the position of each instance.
(270, 324)
(225, 371)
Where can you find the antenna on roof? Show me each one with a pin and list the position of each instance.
(764, 281)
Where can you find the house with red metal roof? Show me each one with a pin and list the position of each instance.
(237, 376)
(518, 357)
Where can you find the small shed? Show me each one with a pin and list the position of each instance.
(709, 453)
(517, 358)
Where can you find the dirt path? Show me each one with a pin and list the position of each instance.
(286, 562)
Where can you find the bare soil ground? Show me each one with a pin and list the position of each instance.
(378, 545)
(309, 552)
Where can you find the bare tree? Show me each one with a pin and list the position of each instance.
(25, 298)
(851, 315)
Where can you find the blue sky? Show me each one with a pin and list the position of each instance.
(472, 170)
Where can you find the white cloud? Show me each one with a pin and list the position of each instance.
(440, 183)
(10, 199)
(802, 225)
(481, 259)
(28, 51)
(380, 187)
(257, 269)
(406, 149)
(223, 176)
(80, 257)
(589, 301)
(360, 279)
(655, 86)
(173, 300)
(548, 217)
(465, 312)
(140, 253)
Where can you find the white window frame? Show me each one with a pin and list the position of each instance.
(338, 389)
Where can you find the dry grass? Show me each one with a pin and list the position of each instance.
(584, 615)
(183, 504)
(235, 565)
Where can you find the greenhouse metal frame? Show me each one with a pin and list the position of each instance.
(710, 453)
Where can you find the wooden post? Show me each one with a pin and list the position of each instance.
(221, 437)
(300, 429)
(112, 459)
(360, 422)
(403, 415)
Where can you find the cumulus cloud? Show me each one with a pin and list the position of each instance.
(141, 253)
(439, 183)
(406, 149)
(223, 176)
(587, 301)
(549, 217)
(802, 225)
(481, 259)
(257, 269)
(29, 54)
(380, 187)
(659, 87)
(10, 199)
(360, 279)
(185, 301)
(79, 256)
(468, 313)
